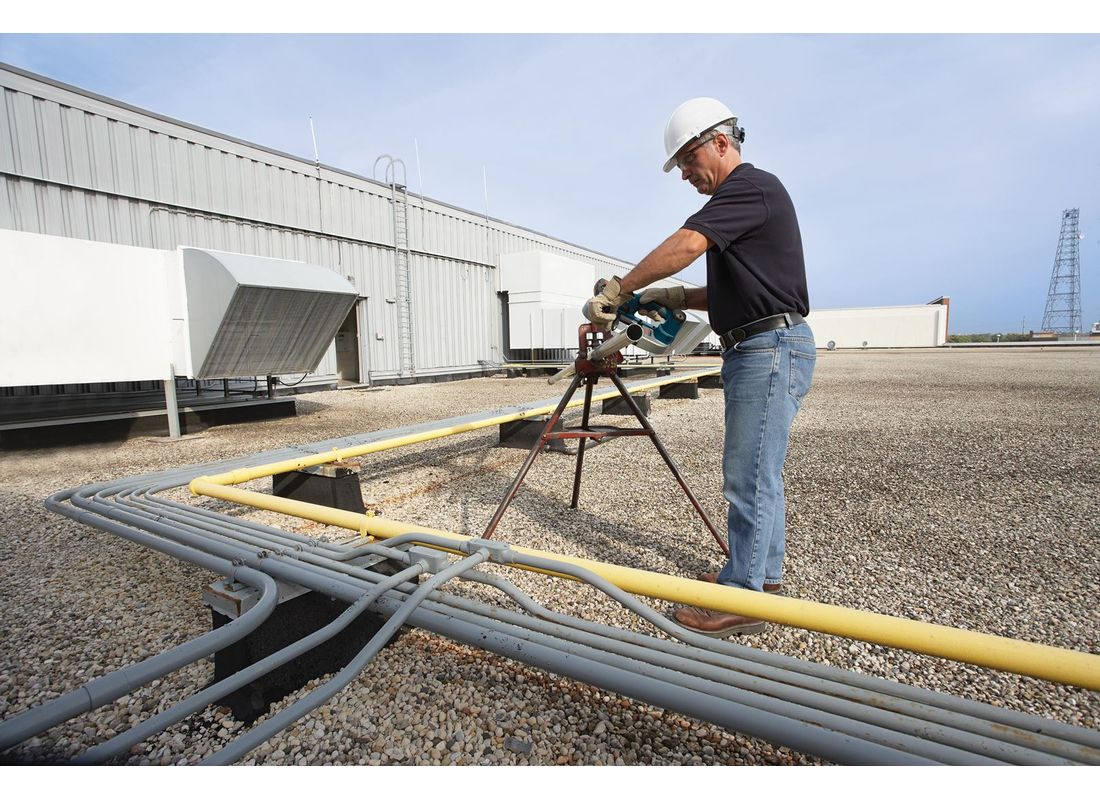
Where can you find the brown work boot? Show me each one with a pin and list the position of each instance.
(712, 577)
(716, 623)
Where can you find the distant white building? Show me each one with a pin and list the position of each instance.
(885, 326)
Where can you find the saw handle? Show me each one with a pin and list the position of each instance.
(630, 312)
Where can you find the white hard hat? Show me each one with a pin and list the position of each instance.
(692, 119)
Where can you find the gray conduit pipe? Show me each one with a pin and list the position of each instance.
(293, 571)
(333, 562)
(155, 724)
(782, 742)
(422, 538)
(148, 494)
(891, 720)
(1032, 736)
(888, 728)
(194, 516)
(872, 732)
(288, 716)
(797, 695)
(719, 653)
(812, 739)
(685, 659)
(230, 536)
(114, 685)
(275, 565)
(452, 543)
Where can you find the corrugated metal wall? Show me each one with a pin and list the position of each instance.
(76, 164)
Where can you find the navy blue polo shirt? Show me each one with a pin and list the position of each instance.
(755, 266)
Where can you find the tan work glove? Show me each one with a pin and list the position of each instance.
(603, 307)
(671, 297)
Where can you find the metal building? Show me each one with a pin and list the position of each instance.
(77, 164)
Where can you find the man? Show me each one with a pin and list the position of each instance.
(756, 297)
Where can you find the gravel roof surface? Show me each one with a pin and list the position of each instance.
(960, 487)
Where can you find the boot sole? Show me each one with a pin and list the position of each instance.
(737, 630)
(724, 633)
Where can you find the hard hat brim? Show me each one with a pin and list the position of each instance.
(682, 149)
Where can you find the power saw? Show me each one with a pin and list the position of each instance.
(635, 312)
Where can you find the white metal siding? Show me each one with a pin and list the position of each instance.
(78, 165)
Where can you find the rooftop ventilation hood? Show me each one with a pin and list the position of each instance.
(249, 315)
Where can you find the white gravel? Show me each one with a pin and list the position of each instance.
(955, 486)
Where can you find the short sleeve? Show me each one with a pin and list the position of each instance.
(736, 209)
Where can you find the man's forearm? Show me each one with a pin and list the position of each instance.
(670, 256)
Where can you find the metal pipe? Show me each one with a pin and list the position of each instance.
(114, 685)
(919, 704)
(228, 535)
(828, 714)
(981, 649)
(272, 564)
(427, 433)
(288, 716)
(157, 723)
(624, 338)
(623, 679)
(799, 702)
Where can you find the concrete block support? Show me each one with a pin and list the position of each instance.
(335, 485)
(299, 612)
(523, 433)
(617, 405)
(291, 620)
(688, 390)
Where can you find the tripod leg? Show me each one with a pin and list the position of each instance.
(589, 382)
(492, 526)
(668, 460)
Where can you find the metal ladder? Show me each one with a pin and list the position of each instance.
(399, 206)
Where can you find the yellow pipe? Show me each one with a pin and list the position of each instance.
(263, 471)
(982, 649)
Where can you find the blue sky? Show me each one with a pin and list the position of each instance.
(920, 165)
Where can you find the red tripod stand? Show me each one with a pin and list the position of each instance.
(598, 357)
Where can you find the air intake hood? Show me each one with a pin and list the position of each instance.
(248, 315)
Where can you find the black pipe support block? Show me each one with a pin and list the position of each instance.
(710, 382)
(329, 485)
(687, 390)
(523, 433)
(292, 620)
(617, 406)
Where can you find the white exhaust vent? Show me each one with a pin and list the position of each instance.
(260, 316)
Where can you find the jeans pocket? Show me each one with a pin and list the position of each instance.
(802, 374)
(765, 342)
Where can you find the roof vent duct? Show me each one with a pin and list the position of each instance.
(249, 315)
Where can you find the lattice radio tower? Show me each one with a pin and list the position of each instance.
(1063, 312)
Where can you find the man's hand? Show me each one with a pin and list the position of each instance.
(602, 308)
(672, 297)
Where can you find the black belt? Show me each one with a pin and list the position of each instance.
(738, 335)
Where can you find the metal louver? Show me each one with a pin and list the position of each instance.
(260, 316)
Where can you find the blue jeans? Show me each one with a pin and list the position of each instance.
(765, 378)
